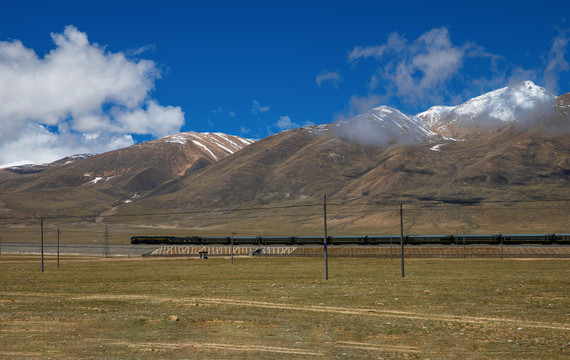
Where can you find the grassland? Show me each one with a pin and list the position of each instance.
(283, 308)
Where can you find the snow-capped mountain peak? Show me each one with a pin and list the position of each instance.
(511, 103)
(383, 126)
(506, 104)
(523, 103)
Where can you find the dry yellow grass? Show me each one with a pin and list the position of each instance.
(283, 308)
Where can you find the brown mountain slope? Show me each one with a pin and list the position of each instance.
(99, 182)
(297, 167)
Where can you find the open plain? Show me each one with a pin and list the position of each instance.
(178, 308)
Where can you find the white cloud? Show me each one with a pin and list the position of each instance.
(366, 52)
(151, 119)
(417, 71)
(77, 98)
(285, 123)
(395, 42)
(361, 104)
(430, 62)
(334, 77)
(430, 69)
(555, 62)
(140, 50)
(220, 110)
(256, 108)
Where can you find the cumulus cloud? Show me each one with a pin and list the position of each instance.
(334, 77)
(417, 70)
(421, 72)
(77, 98)
(427, 70)
(256, 108)
(285, 123)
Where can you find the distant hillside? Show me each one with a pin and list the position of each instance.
(98, 182)
(298, 167)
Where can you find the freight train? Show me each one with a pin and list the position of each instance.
(506, 239)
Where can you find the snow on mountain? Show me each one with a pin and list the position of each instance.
(508, 104)
(215, 145)
(434, 114)
(383, 126)
(26, 167)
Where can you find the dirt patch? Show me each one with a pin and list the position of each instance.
(221, 346)
(385, 313)
(377, 347)
(196, 301)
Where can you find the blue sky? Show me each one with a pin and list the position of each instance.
(90, 76)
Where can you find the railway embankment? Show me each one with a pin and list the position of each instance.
(536, 251)
(114, 250)
(410, 251)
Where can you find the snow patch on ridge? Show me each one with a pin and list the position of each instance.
(434, 114)
(205, 148)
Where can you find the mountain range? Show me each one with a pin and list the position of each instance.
(451, 164)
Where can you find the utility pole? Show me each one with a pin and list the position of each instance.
(42, 238)
(464, 255)
(501, 246)
(457, 244)
(58, 248)
(232, 240)
(106, 248)
(390, 248)
(325, 238)
(402, 238)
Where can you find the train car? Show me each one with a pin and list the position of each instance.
(476, 239)
(384, 239)
(527, 239)
(429, 239)
(309, 240)
(348, 240)
(152, 239)
(216, 240)
(247, 240)
(278, 240)
(188, 240)
(562, 239)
